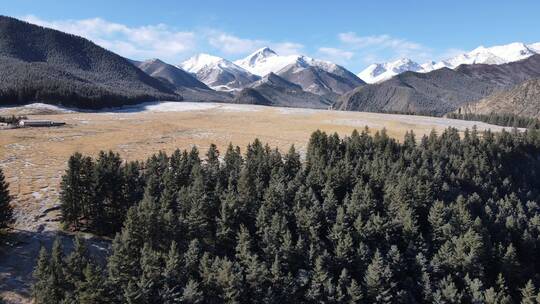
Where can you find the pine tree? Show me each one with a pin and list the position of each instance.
(318, 291)
(71, 192)
(92, 290)
(77, 261)
(58, 272)
(229, 280)
(6, 211)
(150, 280)
(354, 293)
(77, 191)
(173, 277)
(192, 294)
(447, 293)
(41, 289)
(378, 281)
(528, 293)
(50, 284)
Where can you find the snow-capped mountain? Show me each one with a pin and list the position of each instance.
(481, 55)
(265, 60)
(382, 71)
(492, 55)
(316, 76)
(218, 73)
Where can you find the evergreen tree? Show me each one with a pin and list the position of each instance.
(41, 290)
(92, 289)
(378, 281)
(528, 293)
(192, 293)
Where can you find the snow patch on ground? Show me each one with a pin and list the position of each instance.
(182, 107)
(166, 106)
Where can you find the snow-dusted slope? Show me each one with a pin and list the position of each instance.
(313, 75)
(382, 71)
(265, 60)
(481, 55)
(492, 55)
(218, 73)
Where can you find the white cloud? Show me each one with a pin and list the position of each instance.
(287, 48)
(333, 52)
(161, 41)
(133, 42)
(231, 44)
(234, 45)
(449, 53)
(380, 48)
(381, 41)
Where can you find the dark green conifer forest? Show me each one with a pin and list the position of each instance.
(446, 218)
(500, 119)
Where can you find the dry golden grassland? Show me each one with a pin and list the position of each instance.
(35, 158)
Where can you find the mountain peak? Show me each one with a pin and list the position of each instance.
(498, 54)
(261, 57)
(265, 52)
(382, 71)
(154, 60)
(202, 60)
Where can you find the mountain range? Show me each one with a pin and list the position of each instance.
(481, 55)
(180, 81)
(40, 64)
(274, 90)
(439, 91)
(312, 75)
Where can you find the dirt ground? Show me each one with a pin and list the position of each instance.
(34, 159)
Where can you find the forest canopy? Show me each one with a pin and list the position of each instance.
(447, 218)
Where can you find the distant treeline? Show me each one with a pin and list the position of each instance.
(432, 114)
(505, 120)
(449, 218)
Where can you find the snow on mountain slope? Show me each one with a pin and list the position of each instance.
(492, 55)
(315, 76)
(218, 73)
(481, 55)
(265, 60)
(382, 71)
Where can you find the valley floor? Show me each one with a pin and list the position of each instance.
(34, 159)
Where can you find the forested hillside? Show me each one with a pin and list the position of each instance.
(40, 64)
(440, 91)
(364, 219)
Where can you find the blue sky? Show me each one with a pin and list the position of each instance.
(352, 33)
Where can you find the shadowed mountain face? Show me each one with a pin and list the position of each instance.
(168, 73)
(180, 81)
(439, 91)
(522, 100)
(280, 92)
(318, 81)
(251, 96)
(40, 64)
